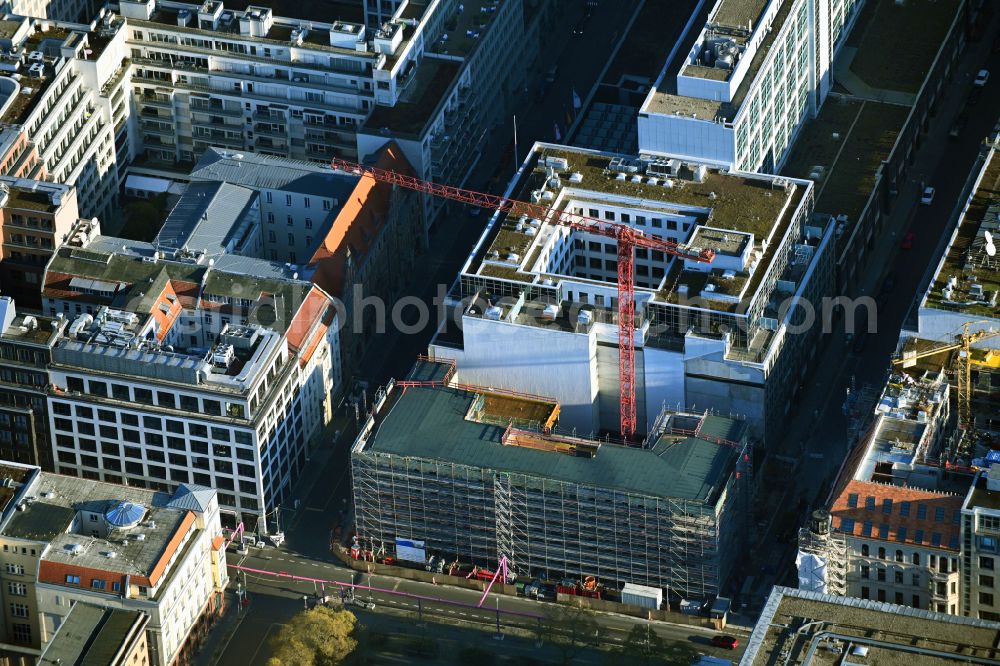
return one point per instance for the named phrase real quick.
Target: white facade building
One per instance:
(981, 547)
(177, 368)
(736, 91)
(68, 540)
(708, 335)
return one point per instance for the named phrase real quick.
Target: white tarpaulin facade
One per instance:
(812, 572)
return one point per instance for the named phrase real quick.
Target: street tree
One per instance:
(316, 637)
(643, 646)
(570, 630)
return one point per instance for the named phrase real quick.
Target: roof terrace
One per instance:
(415, 107)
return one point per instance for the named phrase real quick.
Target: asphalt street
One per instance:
(817, 428)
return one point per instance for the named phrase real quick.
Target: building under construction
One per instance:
(473, 474)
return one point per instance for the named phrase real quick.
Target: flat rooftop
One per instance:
(317, 38)
(908, 34)
(57, 500)
(981, 496)
(268, 172)
(92, 636)
(965, 262)
(433, 78)
(760, 205)
(26, 199)
(894, 635)
(848, 140)
(465, 30)
(327, 11)
(737, 13)
(431, 423)
(35, 329)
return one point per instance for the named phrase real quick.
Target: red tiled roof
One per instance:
(357, 224)
(312, 310)
(898, 514)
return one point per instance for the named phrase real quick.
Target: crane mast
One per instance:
(626, 237)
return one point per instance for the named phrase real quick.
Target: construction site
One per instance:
(448, 472)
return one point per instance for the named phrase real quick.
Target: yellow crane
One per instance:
(963, 373)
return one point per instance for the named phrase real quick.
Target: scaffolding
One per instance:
(822, 559)
(553, 527)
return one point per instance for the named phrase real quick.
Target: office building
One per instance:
(476, 474)
(70, 542)
(728, 335)
(737, 89)
(25, 353)
(800, 628)
(180, 366)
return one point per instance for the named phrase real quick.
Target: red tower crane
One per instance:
(626, 237)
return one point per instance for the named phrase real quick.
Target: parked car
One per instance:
(981, 78)
(908, 239)
(927, 198)
(726, 642)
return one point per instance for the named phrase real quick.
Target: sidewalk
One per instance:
(220, 635)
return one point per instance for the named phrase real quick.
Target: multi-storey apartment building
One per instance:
(66, 103)
(25, 352)
(69, 541)
(182, 367)
(725, 335)
(35, 216)
(455, 469)
(981, 546)
(737, 89)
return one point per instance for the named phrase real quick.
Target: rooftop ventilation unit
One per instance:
(493, 312)
(223, 356)
(576, 177)
(74, 549)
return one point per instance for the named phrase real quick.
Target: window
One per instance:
(881, 595)
(288, 199)
(866, 571)
(900, 533)
(864, 550)
(17, 589)
(899, 556)
(916, 601)
(939, 514)
(898, 577)
(116, 586)
(881, 553)
(865, 593)
(267, 197)
(98, 584)
(985, 598)
(918, 536)
(870, 503)
(984, 581)
(120, 392)
(306, 201)
(984, 563)
(880, 573)
(309, 223)
(915, 558)
(291, 239)
(17, 569)
(922, 511)
(852, 500)
(915, 580)
(847, 525)
(899, 598)
(74, 384)
(887, 506)
(19, 610)
(22, 633)
(72, 580)
(904, 509)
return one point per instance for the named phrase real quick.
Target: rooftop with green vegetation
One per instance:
(416, 106)
(966, 257)
(897, 42)
(23, 102)
(760, 205)
(432, 423)
(790, 630)
(849, 140)
(41, 201)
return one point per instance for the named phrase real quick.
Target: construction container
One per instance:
(642, 596)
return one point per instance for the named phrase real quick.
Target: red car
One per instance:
(907, 241)
(727, 642)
